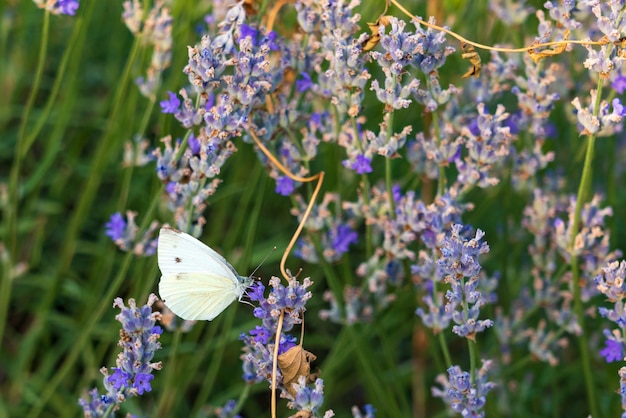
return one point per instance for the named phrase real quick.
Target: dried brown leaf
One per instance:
(559, 49)
(374, 38)
(294, 363)
(470, 54)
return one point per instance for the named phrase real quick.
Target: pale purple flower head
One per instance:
(116, 226)
(619, 84)
(259, 341)
(139, 337)
(342, 236)
(68, 7)
(361, 164)
(284, 186)
(458, 392)
(613, 351)
(171, 105)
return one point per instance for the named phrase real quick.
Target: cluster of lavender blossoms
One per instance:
(612, 284)
(59, 7)
(457, 267)
(125, 233)
(154, 28)
(465, 395)
(139, 337)
(290, 302)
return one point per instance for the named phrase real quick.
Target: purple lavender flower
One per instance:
(459, 264)
(308, 399)
(612, 281)
(618, 108)
(613, 351)
(142, 382)
(361, 164)
(227, 411)
(194, 176)
(511, 12)
(537, 93)
(304, 82)
(619, 84)
(246, 31)
(424, 49)
(119, 379)
(606, 123)
(368, 412)
(58, 7)
(171, 105)
(611, 284)
(591, 242)
(261, 335)
(115, 227)
(463, 396)
(139, 337)
(399, 49)
(68, 7)
(154, 27)
(342, 237)
(97, 405)
(259, 342)
(460, 256)
(437, 317)
(284, 186)
(124, 233)
(563, 13)
(486, 150)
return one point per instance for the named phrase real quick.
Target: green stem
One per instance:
(388, 178)
(444, 349)
(381, 391)
(333, 281)
(471, 345)
(243, 396)
(166, 400)
(11, 209)
(128, 173)
(584, 189)
(366, 196)
(20, 147)
(92, 184)
(441, 184)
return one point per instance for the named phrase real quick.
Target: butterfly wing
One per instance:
(197, 296)
(196, 283)
(179, 252)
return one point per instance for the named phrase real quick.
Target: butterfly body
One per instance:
(196, 283)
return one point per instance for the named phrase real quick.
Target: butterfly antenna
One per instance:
(262, 261)
(245, 292)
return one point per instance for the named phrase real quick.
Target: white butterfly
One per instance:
(196, 283)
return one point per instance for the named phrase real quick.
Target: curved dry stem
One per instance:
(278, 164)
(279, 328)
(271, 16)
(320, 179)
(493, 48)
(307, 212)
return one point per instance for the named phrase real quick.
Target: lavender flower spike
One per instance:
(139, 337)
